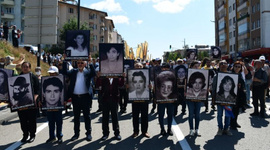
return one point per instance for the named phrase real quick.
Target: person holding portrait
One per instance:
(78, 45)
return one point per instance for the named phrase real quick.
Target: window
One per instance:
(243, 28)
(90, 16)
(230, 22)
(253, 25)
(234, 19)
(94, 37)
(9, 10)
(102, 39)
(94, 48)
(234, 47)
(258, 23)
(230, 48)
(253, 9)
(221, 25)
(254, 42)
(70, 10)
(258, 6)
(234, 6)
(233, 33)
(222, 38)
(94, 26)
(259, 41)
(230, 35)
(230, 9)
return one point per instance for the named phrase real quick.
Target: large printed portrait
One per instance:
(197, 84)
(226, 92)
(181, 74)
(191, 55)
(128, 64)
(53, 92)
(77, 44)
(4, 75)
(216, 52)
(20, 92)
(138, 81)
(165, 85)
(111, 59)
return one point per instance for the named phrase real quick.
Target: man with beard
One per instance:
(21, 92)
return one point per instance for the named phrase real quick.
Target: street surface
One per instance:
(254, 134)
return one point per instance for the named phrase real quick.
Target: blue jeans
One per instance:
(55, 117)
(194, 109)
(219, 118)
(161, 112)
(247, 84)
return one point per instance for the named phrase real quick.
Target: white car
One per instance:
(30, 48)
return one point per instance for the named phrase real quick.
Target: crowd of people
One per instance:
(84, 82)
(15, 33)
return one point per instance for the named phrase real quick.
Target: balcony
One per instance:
(242, 4)
(7, 2)
(221, 7)
(23, 4)
(243, 16)
(7, 16)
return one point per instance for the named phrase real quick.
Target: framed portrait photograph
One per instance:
(128, 64)
(138, 81)
(197, 84)
(111, 57)
(226, 91)
(215, 52)
(52, 92)
(77, 44)
(181, 74)
(191, 55)
(165, 87)
(20, 92)
(4, 75)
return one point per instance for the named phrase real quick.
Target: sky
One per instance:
(160, 22)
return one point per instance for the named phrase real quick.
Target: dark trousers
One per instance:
(110, 107)
(138, 108)
(258, 95)
(235, 111)
(15, 42)
(123, 104)
(82, 103)
(55, 118)
(161, 112)
(28, 120)
(99, 100)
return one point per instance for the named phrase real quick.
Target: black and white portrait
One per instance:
(128, 64)
(191, 55)
(4, 75)
(138, 81)
(197, 84)
(53, 92)
(226, 88)
(165, 85)
(216, 52)
(181, 74)
(20, 92)
(77, 44)
(111, 59)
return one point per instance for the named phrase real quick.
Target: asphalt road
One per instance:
(254, 134)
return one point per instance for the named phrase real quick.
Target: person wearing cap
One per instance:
(28, 118)
(258, 89)
(79, 90)
(52, 89)
(223, 65)
(179, 61)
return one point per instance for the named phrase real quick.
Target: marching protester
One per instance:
(248, 80)
(110, 98)
(79, 92)
(259, 84)
(28, 118)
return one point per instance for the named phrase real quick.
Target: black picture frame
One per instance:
(161, 96)
(4, 75)
(128, 64)
(132, 97)
(191, 55)
(181, 74)
(214, 50)
(200, 91)
(53, 83)
(70, 45)
(24, 101)
(108, 68)
(221, 79)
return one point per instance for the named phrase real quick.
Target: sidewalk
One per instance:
(5, 113)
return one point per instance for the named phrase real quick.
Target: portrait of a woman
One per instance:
(226, 90)
(181, 74)
(3, 85)
(111, 59)
(140, 86)
(78, 45)
(165, 85)
(216, 52)
(191, 54)
(196, 86)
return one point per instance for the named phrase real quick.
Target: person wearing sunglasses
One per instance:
(80, 91)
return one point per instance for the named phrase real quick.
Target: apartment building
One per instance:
(12, 12)
(243, 28)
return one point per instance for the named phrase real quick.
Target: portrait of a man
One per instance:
(227, 88)
(197, 84)
(20, 91)
(77, 44)
(139, 84)
(4, 75)
(53, 92)
(165, 84)
(111, 59)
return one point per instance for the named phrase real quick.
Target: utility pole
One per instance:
(184, 43)
(79, 1)
(236, 31)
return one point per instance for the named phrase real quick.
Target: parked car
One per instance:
(30, 48)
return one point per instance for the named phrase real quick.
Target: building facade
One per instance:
(242, 28)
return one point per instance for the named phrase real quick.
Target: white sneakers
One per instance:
(194, 132)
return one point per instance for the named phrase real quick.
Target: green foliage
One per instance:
(55, 49)
(72, 25)
(202, 54)
(172, 56)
